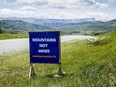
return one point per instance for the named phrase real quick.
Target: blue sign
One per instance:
(44, 47)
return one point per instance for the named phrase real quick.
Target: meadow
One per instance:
(12, 36)
(86, 63)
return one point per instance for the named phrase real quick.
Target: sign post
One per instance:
(31, 73)
(44, 48)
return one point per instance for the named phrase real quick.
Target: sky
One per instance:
(102, 10)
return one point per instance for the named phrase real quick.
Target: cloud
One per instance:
(34, 2)
(19, 13)
(101, 6)
(88, 4)
(98, 15)
(4, 2)
(28, 8)
(65, 3)
(54, 14)
(112, 1)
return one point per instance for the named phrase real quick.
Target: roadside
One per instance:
(16, 45)
(12, 36)
(86, 65)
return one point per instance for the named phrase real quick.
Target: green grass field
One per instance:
(12, 36)
(87, 64)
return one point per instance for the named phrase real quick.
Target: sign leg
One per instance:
(60, 70)
(60, 73)
(31, 72)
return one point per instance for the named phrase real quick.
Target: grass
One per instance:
(114, 24)
(86, 65)
(12, 36)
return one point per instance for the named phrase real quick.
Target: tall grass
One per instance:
(105, 39)
(12, 36)
(86, 65)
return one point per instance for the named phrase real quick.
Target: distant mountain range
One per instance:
(20, 26)
(52, 23)
(89, 27)
(42, 21)
(66, 26)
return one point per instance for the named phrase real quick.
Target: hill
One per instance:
(50, 21)
(87, 64)
(89, 27)
(20, 26)
(113, 22)
(66, 26)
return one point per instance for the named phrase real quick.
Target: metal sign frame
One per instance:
(49, 59)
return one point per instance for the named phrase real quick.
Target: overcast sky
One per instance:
(59, 9)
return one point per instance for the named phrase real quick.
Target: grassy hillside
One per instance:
(87, 64)
(67, 27)
(12, 36)
(20, 26)
(90, 28)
